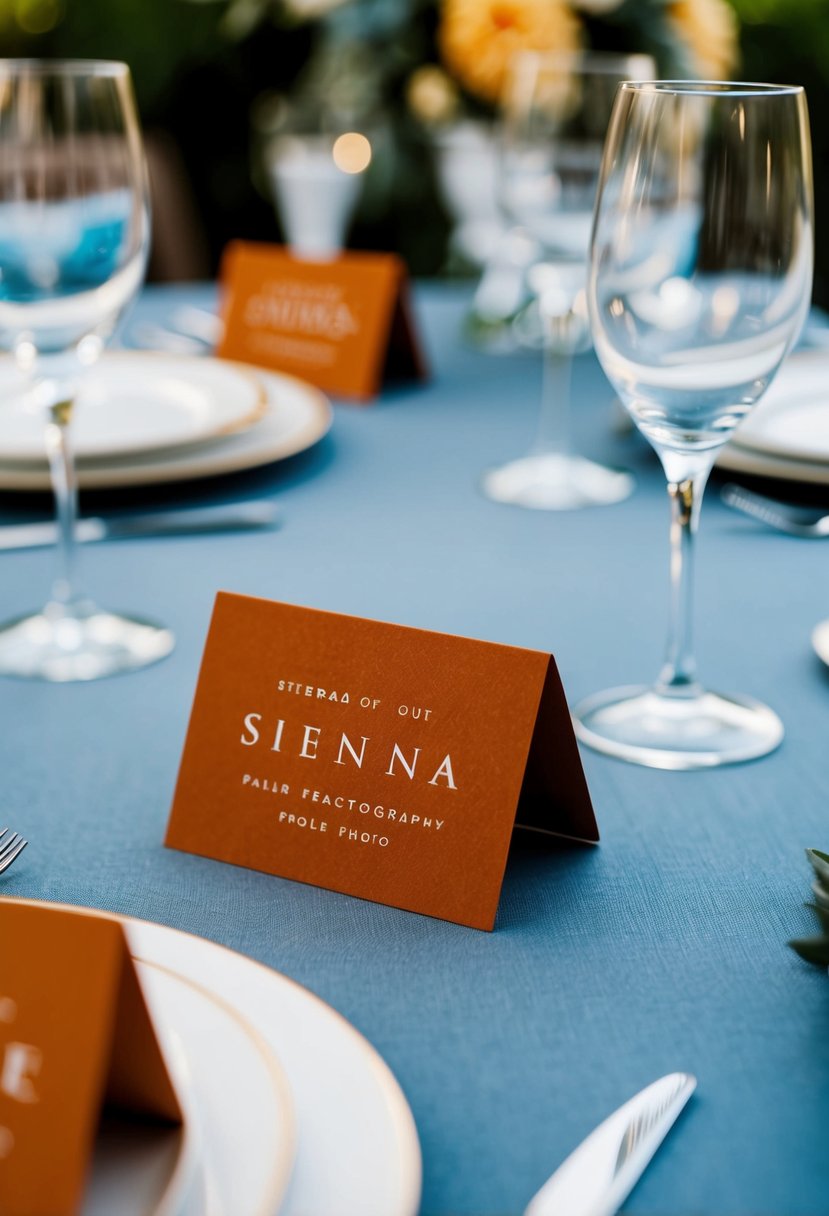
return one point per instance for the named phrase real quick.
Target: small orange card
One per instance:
(75, 1034)
(343, 325)
(373, 759)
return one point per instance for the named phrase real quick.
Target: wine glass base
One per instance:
(556, 482)
(705, 730)
(63, 645)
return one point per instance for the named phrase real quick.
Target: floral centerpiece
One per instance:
(415, 70)
(476, 39)
(435, 54)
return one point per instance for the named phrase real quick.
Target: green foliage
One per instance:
(816, 949)
(159, 39)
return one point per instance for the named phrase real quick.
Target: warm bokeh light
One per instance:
(38, 16)
(352, 152)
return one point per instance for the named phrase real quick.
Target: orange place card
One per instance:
(344, 325)
(75, 1034)
(373, 759)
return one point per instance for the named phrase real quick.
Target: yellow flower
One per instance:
(478, 38)
(708, 31)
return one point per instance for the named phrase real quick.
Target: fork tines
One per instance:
(12, 845)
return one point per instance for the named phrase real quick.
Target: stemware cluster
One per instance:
(680, 237)
(675, 220)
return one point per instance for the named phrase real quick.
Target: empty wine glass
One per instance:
(556, 113)
(699, 283)
(317, 167)
(74, 233)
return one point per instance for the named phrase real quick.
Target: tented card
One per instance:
(374, 759)
(75, 1034)
(344, 325)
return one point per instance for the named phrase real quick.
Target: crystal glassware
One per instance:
(699, 283)
(74, 235)
(556, 113)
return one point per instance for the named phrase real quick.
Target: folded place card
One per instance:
(344, 324)
(374, 759)
(75, 1034)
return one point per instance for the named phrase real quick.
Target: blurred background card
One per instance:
(343, 324)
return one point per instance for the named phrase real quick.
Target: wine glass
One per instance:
(700, 280)
(556, 113)
(74, 234)
(316, 158)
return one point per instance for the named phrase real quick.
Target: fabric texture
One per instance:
(661, 949)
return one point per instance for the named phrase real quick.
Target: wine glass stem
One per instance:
(553, 435)
(679, 671)
(65, 487)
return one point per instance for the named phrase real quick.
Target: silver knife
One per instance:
(254, 513)
(598, 1176)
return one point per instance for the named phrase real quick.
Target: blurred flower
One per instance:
(708, 30)
(431, 95)
(478, 38)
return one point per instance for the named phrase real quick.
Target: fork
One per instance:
(786, 517)
(12, 845)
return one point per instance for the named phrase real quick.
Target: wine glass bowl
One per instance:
(699, 283)
(74, 237)
(555, 119)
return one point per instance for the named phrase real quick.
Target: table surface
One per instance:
(662, 949)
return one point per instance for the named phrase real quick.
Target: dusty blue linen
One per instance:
(663, 948)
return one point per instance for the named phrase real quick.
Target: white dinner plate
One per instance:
(132, 403)
(791, 422)
(234, 1154)
(357, 1150)
(296, 417)
(736, 459)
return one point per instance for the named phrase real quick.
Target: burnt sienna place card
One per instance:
(344, 325)
(374, 759)
(75, 1034)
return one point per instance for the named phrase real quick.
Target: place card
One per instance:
(344, 325)
(373, 759)
(75, 1034)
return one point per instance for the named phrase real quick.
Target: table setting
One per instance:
(330, 884)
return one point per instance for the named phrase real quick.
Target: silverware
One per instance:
(11, 845)
(786, 517)
(190, 331)
(255, 513)
(198, 323)
(147, 335)
(599, 1175)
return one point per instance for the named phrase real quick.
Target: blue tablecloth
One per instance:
(664, 948)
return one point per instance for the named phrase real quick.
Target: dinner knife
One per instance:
(599, 1175)
(253, 513)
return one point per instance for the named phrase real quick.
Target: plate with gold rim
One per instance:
(357, 1148)
(134, 403)
(296, 417)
